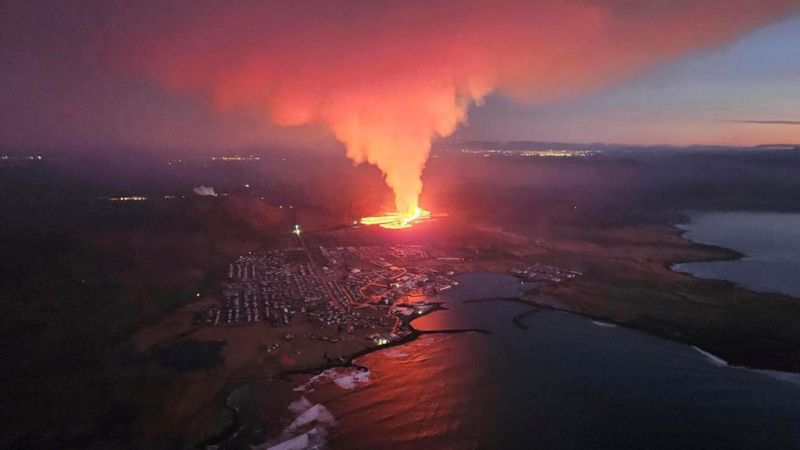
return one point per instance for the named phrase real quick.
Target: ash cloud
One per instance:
(385, 77)
(388, 77)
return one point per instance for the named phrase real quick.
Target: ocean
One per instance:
(770, 242)
(564, 382)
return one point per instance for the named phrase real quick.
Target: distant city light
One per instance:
(6, 157)
(533, 153)
(236, 158)
(18, 161)
(133, 198)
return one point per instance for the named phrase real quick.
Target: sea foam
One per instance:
(790, 377)
(343, 378)
(604, 324)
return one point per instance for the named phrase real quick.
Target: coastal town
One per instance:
(373, 289)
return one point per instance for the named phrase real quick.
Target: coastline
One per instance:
(727, 345)
(518, 320)
(731, 256)
(349, 361)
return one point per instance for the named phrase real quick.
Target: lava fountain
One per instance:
(388, 78)
(395, 220)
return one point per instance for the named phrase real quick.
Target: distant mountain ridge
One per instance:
(599, 146)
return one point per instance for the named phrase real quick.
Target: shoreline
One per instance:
(231, 430)
(672, 331)
(349, 361)
(669, 334)
(611, 323)
(731, 256)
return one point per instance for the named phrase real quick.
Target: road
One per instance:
(317, 271)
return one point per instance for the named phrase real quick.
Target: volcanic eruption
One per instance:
(387, 78)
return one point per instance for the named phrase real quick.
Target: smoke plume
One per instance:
(204, 191)
(387, 77)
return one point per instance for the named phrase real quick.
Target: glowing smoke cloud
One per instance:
(387, 77)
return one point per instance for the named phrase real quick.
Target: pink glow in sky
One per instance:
(377, 76)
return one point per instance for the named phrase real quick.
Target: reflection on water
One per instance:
(770, 241)
(563, 383)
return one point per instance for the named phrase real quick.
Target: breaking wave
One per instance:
(349, 378)
(790, 377)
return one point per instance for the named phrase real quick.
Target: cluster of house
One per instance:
(385, 285)
(373, 253)
(543, 273)
(376, 277)
(275, 286)
(267, 287)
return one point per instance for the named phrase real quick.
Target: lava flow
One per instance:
(396, 220)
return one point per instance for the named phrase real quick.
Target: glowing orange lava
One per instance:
(396, 220)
